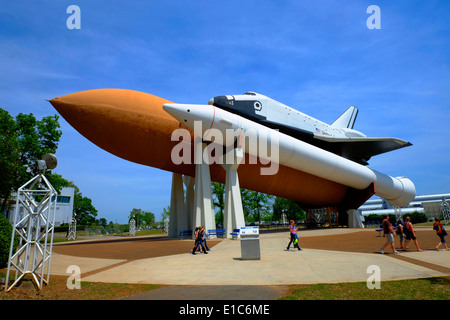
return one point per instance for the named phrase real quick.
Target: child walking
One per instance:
(294, 236)
(441, 233)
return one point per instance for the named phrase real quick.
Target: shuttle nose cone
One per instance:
(175, 111)
(189, 114)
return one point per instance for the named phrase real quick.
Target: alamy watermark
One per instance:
(74, 280)
(74, 20)
(260, 145)
(374, 280)
(374, 21)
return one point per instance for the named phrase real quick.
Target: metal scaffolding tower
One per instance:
(445, 209)
(132, 224)
(398, 214)
(35, 232)
(72, 234)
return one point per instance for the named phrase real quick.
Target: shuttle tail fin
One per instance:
(347, 119)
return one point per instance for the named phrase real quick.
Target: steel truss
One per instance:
(398, 214)
(132, 230)
(72, 234)
(35, 232)
(445, 209)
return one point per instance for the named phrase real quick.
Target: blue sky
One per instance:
(316, 56)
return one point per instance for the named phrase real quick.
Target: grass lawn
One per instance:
(437, 288)
(57, 290)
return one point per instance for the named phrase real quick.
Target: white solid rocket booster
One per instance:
(297, 154)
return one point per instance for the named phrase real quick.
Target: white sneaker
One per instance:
(381, 250)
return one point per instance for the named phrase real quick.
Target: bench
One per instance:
(185, 233)
(372, 223)
(235, 233)
(216, 232)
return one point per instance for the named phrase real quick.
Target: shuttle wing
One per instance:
(358, 149)
(289, 130)
(361, 149)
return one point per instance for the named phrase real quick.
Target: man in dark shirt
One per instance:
(388, 233)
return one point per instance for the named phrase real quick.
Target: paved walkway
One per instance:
(224, 273)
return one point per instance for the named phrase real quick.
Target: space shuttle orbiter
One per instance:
(339, 137)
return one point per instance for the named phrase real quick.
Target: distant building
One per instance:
(64, 207)
(427, 204)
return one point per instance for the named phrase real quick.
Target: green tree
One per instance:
(102, 222)
(148, 217)
(292, 210)
(141, 216)
(10, 166)
(256, 205)
(58, 182)
(23, 140)
(36, 138)
(5, 240)
(416, 217)
(218, 191)
(84, 210)
(165, 214)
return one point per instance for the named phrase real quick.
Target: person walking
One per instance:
(399, 232)
(205, 235)
(199, 241)
(198, 238)
(388, 233)
(410, 234)
(195, 240)
(441, 233)
(294, 237)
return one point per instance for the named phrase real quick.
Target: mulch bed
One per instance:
(133, 249)
(366, 242)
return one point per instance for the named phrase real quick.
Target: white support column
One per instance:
(203, 203)
(178, 216)
(189, 182)
(234, 214)
(355, 219)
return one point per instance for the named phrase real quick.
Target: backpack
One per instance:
(440, 229)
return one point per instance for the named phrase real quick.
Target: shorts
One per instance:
(410, 236)
(442, 238)
(389, 237)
